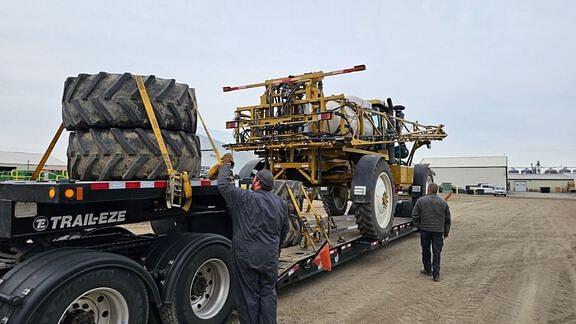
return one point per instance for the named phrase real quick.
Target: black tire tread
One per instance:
(107, 100)
(124, 154)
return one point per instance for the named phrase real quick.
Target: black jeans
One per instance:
(435, 239)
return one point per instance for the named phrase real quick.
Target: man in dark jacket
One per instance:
(432, 216)
(260, 220)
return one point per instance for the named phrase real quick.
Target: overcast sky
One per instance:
(501, 75)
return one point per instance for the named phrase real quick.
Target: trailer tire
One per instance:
(194, 301)
(376, 217)
(336, 201)
(129, 154)
(107, 100)
(122, 293)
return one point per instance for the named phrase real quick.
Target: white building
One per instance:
(28, 161)
(541, 182)
(463, 171)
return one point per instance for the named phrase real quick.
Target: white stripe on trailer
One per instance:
(117, 185)
(146, 184)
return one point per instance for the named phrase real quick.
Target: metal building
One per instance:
(463, 171)
(541, 182)
(28, 161)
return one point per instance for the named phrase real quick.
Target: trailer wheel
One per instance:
(376, 217)
(204, 289)
(336, 201)
(107, 100)
(100, 296)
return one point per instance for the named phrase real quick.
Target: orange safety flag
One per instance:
(322, 258)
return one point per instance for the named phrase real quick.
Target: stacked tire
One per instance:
(110, 133)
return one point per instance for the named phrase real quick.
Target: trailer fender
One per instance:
(30, 283)
(361, 181)
(168, 256)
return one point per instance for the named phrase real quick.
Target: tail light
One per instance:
(325, 116)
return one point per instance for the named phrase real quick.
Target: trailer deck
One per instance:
(296, 264)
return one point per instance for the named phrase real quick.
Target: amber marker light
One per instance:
(69, 193)
(52, 192)
(79, 193)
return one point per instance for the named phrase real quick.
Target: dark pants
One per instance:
(431, 261)
(254, 289)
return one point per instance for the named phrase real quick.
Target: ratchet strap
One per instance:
(178, 191)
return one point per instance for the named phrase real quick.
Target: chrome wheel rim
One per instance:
(209, 288)
(101, 305)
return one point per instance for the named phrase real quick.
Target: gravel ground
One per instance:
(507, 260)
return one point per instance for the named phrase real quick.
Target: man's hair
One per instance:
(432, 188)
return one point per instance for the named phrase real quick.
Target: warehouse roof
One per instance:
(467, 162)
(14, 159)
(539, 177)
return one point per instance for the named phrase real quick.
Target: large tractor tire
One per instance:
(336, 201)
(107, 100)
(129, 154)
(375, 216)
(423, 176)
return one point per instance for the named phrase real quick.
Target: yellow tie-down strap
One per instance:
(181, 177)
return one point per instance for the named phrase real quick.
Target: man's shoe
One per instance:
(436, 278)
(426, 272)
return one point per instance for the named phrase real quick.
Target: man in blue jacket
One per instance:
(260, 220)
(432, 216)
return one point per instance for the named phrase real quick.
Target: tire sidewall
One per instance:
(128, 284)
(181, 297)
(382, 167)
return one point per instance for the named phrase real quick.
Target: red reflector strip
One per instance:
(326, 116)
(160, 184)
(99, 186)
(133, 185)
(231, 124)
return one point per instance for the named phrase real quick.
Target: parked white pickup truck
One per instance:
(484, 188)
(500, 191)
(488, 189)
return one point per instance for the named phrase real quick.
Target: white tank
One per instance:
(350, 115)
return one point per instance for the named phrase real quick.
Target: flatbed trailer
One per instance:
(65, 257)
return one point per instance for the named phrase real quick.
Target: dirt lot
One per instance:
(507, 260)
